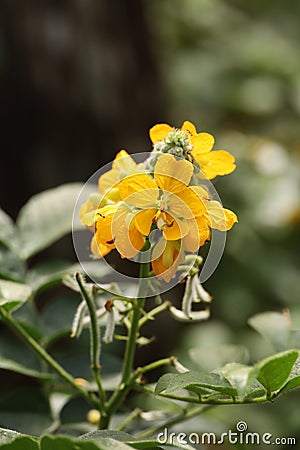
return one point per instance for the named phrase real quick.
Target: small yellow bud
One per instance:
(94, 416)
(81, 382)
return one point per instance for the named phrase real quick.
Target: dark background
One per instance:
(79, 81)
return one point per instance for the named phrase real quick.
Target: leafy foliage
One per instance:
(103, 440)
(13, 295)
(236, 380)
(45, 218)
(54, 406)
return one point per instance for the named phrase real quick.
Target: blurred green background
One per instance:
(79, 80)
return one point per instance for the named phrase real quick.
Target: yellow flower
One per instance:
(165, 200)
(132, 203)
(216, 216)
(187, 143)
(122, 166)
(112, 230)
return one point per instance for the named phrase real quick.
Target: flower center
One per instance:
(177, 143)
(163, 203)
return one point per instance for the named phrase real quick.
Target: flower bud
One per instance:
(94, 416)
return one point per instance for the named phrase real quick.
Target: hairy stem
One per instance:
(151, 314)
(127, 370)
(95, 342)
(137, 309)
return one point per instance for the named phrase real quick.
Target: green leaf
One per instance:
(98, 435)
(68, 443)
(274, 327)
(25, 409)
(22, 443)
(294, 378)
(7, 230)
(255, 391)
(13, 349)
(12, 294)
(74, 411)
(46, 218)
(275, 370)
(195, 382)
(240, 376)
(7, 435)
(56, 317)
(121, 436)
(8, 364)
(47, 274)
(12, 267)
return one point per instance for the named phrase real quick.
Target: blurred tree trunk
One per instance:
(79, 80)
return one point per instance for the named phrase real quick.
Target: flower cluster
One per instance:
(163, 196)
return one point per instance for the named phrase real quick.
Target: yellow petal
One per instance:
(160, 270)
(189, 127)
(85, 213)
(124, 163)
(104, 219)
(201, 192)
(199, 233)
(203, 229)
(202, 143)
(172, 175)
(220, 218)
(108, 179)
(86, 207)
(136, 238)
(128, 242)
(143, 220)
(231, 218)
(111, 194)
(139, 190)
(187, 204)
(159, 132)
(191, 241)
(218, 162)
(170, 255)
(159, 248)
(107, 210)
(99, 249)
(89, 218)
(174, 228)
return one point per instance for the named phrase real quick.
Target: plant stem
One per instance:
(19, 330)
(152, 366)
(184, 415)
(137, 308)
(187, 414)
(151, 314)
(95, 342)
(220, 401)
(132, 416)
(127, 370)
